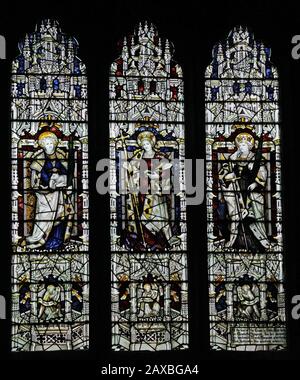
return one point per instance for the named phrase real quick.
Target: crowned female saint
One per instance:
(148, 218)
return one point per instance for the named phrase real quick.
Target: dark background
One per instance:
(193, 28)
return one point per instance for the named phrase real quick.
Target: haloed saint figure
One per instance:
(148, 215)
(243, 181)
(53, 207)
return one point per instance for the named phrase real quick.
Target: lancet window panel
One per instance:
(148, 228)
(244, 197)
(50, 193)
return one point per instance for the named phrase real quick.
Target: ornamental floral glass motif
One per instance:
(49, 194)
(245, 251)
(148, 228)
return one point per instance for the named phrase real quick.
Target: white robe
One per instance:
(50, 203)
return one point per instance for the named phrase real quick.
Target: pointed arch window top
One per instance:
(50, 194)
(244, 205)
(145, 54)
(241, 56)
(48, 50)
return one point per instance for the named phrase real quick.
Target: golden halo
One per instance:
(146, 135)
(244, 137)
(47, 135)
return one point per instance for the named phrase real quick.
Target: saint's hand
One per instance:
(53, 180)
(126, 165)
(230, 177)
(54, 176)
(252, 186)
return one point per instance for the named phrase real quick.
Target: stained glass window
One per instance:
(244, 207)
(148, 222)
(50, 232)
